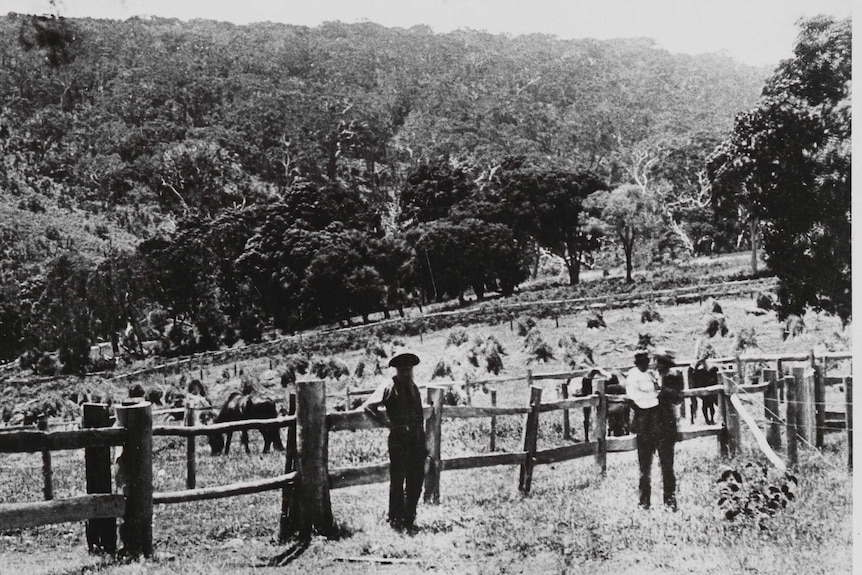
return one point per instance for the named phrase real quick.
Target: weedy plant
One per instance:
(650, 313)
(596, 320)
(442, 369)
(746, 338)
(755, 496)
(715, 323)
(525, 325)
(645, 341)
(457, 337)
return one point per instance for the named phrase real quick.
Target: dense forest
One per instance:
(195, 182)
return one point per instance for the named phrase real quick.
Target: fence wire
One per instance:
(783, 422)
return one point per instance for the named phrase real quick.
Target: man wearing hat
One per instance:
(654, 396)
(407, 450)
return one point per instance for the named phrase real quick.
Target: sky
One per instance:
(757, 32)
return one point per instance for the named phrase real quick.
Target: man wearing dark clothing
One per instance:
(654, 397)
(407, 450)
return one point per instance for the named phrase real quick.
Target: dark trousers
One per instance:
(406, 474)
(656, 433)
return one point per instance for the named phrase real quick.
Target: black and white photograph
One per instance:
(437, 286)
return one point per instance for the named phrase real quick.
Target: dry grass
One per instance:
(573, 521)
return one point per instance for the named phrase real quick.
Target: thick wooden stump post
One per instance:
(47, 465)
(601, 427)
(819, 405)
(770, 409)
(792, 447)
(564, 392)
(587, 389)
(848, 419)
(191, 463)
(101, 533)
(733, 436)
(779, 368)
(529, 439)
(805, 418)
(289, 522)
(315, 505)
(493, 446)
(136, 477)
(721, 414)
(685, 386)
(433, 436)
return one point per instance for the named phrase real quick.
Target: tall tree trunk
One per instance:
(573, 264)
(538, 256)
(628, 242)
(627, 248)
(754, 226)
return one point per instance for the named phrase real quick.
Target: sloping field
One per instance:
(573, 521)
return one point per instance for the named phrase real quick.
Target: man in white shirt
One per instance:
(655, 425)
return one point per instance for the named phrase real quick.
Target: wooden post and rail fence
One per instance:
(308, 478)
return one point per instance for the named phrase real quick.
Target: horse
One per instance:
(699, 377)
(239, 407)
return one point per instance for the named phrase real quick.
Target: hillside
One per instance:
(201, 181)
(117, 119)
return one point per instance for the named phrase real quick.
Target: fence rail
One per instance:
(232, 490)
(33, 441)
(244, 425)
(81, 508)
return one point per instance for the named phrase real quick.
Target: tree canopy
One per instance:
(195, 181)
(789, 159)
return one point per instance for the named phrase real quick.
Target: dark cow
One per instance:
(619, 409)
(239, 407)
(699, 377)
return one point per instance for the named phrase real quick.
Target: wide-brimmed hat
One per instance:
(404, 359)
(665, 354)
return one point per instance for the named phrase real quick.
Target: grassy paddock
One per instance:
(572, 521)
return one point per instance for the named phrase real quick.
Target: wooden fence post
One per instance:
(316, 507)
(587, 389)
(848, 419)
(567, 430)
(819, 404)
(433, 436)
(191, 463)
(601, 427)
(47, 466)
(685, 386)
(136, 471)
(467, 390)
(101, 533)
(530, 437)
(780, 375)
(733, 436)
(770, 409)
(805, 404)
(792, 449)
(493, 422)
(289, 521)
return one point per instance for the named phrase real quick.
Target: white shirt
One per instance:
(641, 388)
